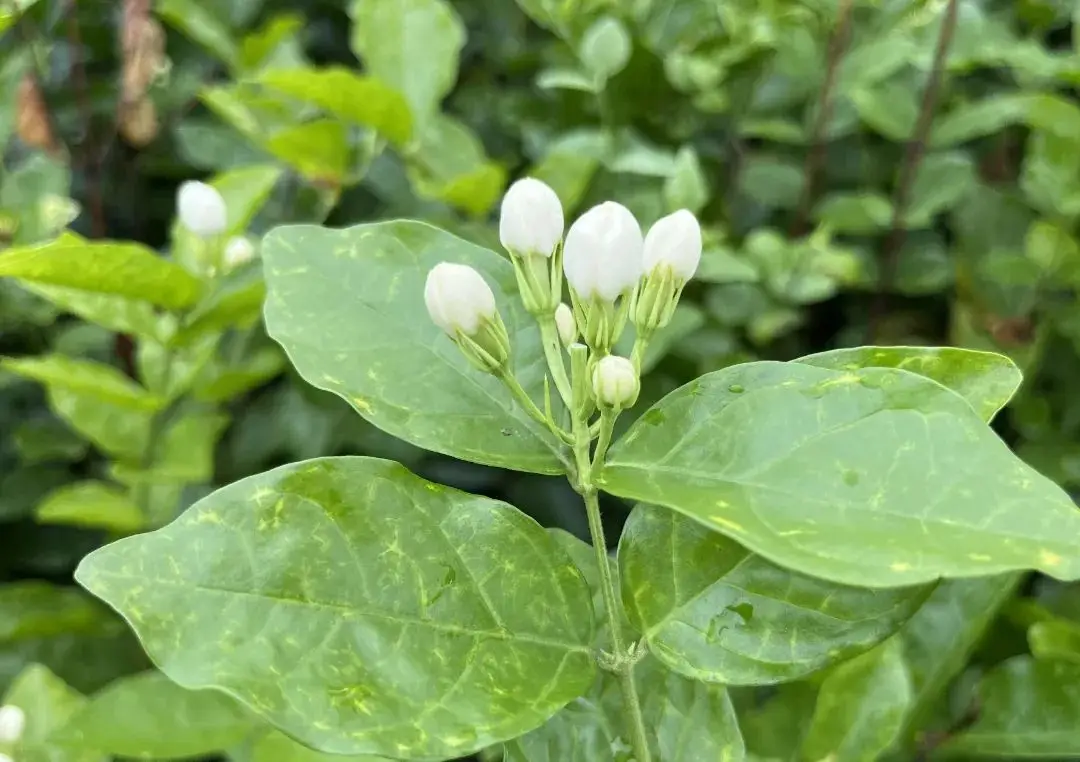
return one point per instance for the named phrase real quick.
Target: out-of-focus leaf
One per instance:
(84, 377)
(200, 20)
(687, 187)
(47, 703)
(943, 179)
(93, 505)
(450, 165)
(318, 150)
(855, 213)
(605, 48)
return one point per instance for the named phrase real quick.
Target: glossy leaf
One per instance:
(85, 377)
(147, 716)
(278, 747)
(987, 380)
(91, 504)
(1028, 709)
(713, 611)
(105, 267)
(360, 608)
(860, 707)
(119, 430)
(1055, 639)
(348, 307)
(47, 702)
(412, 46)
(347, 95)
(605, 48)
(117, 313)
(318, 150)
(874, 477)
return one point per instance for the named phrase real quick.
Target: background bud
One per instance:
(458, 298)
(201, 209)
(602, 256)
(239, 250)
(564, 321)
(12, 723)
(615, 382)
(674, 241)
(531, 218)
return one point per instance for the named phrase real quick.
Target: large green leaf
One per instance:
(1029, 708)
(347, 95)
(106, 267)
(348, 307)
(148, 716)
(278, 747)
(987, 380)
(713, 611)
(48, 702)
(412, 46)
(860, 707)
(360, 608)
(875, 477)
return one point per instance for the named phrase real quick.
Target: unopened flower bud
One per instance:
(672, 255)
(201, 209)
(615, 382)
(12, 723)
(564, 321)
(238, 251)
(531, 218)
(602, 256)
(461, 303)
(674, 242)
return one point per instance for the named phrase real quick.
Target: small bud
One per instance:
(602, 255)
(201, 209)
(238, 251)
(531, 219)
(675, 242)
(461, 303)
(564, 321)
(12, 723)
(615, 382)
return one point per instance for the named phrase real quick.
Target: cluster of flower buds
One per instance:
(615, 275)
(12, 725)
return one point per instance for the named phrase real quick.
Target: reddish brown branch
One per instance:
(916, 149)
(815, 159)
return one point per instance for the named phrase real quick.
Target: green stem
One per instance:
(531, 408)
(641, 343)
(623, 664)
(549, 334)
(607, 428)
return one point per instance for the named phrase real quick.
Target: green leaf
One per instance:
(119, 430)
(11, 12)
(203, 25)
(860, 213)
(340, 300)
(278, 747)
(412, 46)
(562, 78)
(48, 702)
(979, 118)
(713, 611)
(942, 181)
(687, 187)
(85, 377)
(860, 707)
(117, 313)
(35, 193)
(105, 267)
(940, 638)
(1028, 709)
(874, 477)
(318, 150)
(890, 108)
(347, 95)
(360, 608)
(987, 380)
(449, 164)
(91, 504)
(605, 48)
(568, 173)
(148, 716)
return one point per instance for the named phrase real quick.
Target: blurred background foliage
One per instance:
(866, 171)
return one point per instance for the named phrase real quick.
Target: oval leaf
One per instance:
(986, 380)
(874, 477)
(348, 307)
(360, 608)
(713, 611)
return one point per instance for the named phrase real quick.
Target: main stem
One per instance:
(623, 663)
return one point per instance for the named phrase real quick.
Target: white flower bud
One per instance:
(674, 241)
(615, 382)
(238, 251)
(201, 209)
(458, 298)
(531, 218)
(602, 256)
(564, 321)
(12, 723)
